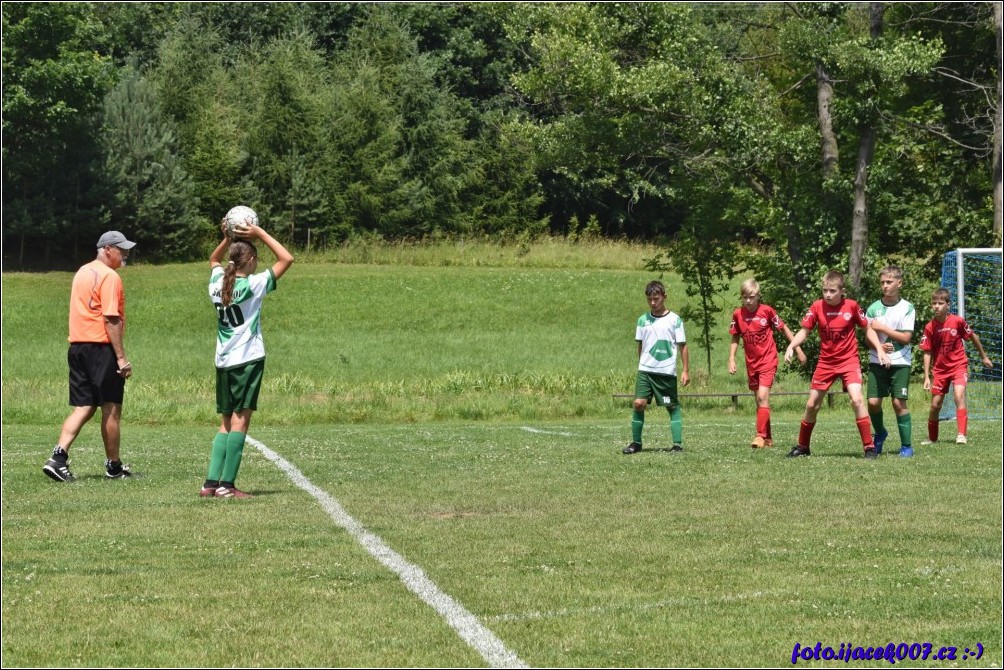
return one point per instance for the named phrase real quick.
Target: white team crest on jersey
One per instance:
(763, 321)
(847, 316)
(955, 333)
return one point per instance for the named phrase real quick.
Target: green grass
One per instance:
(359, 343)
(462, 411)
(571, 553)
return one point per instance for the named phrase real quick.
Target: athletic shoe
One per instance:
(113, 471)
(58, 470)
(676, 447)
(231, 492)
(632, 448)
(871, 453)
(768, 443)
(927, 443)
(207, 492)
(961, 439)
(879, 440)
(797, 451)
(906, 452)
(758, 443)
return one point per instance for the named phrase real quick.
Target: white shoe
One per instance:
(961, 439)
(927, 443)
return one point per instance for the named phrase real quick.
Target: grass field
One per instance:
(463, 417)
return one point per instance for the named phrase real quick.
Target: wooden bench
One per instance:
(735, 396)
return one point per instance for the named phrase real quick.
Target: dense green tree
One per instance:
(149, 195)
(54, 81)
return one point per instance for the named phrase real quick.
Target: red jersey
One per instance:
(757, 330)
(838, 344)
(944, 342)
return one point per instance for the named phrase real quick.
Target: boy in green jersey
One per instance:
(662, 343)
(892, 319)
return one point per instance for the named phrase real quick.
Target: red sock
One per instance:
(932, 431)
(805, 433)
(769, 436)
(763, 421)
(962, 416)
(865, 428)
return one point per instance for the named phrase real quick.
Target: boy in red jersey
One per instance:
(837, 318)
(943, 342)
(756, 322)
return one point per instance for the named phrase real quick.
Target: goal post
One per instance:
(973, 278)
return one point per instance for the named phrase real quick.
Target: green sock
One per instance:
(637, 423)
(217, 456)
(905, 429)
(235, 449)
(676, 424)
(878, 425)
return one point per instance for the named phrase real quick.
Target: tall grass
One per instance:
(379, 341)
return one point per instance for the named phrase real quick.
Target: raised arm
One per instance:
(216, 258)
(284, 259)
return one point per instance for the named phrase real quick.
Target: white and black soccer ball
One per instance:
(240, 216)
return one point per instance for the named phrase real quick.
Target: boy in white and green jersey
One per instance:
(662, 348)
(892, 320)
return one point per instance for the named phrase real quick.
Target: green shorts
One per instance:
(237, 388)
(884, 382)
(661, 387)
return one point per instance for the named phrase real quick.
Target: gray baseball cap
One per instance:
(114, 238)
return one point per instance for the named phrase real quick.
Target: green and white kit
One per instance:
(899, 317)
(238, 328)
(659, 337)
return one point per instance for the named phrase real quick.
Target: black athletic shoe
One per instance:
(116, 470)
(676, 447)
(58, 470)
(797, 451)
(871, 453)
(632, 448)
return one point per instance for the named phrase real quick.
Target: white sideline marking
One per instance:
(546, 432)
(471, 631)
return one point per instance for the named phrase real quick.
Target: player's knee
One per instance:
(640, 404)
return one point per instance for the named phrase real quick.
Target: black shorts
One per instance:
(94, 377)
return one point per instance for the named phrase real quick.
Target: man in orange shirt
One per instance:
(97, 360)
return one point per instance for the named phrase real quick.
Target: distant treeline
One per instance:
(826, 134)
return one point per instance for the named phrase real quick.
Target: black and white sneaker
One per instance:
(58, 470)
(632, 448)
(116, 470)
(799, 451)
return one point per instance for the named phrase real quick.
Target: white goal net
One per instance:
(973, 277)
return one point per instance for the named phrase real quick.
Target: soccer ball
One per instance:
(240, 216)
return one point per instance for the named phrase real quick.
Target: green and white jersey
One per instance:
(659, 336)
(899, 317)
(238, 328)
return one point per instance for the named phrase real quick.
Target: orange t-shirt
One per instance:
(97, 292)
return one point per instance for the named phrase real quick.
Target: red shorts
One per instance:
(761, 378)
(940, 384)
(824, 376)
